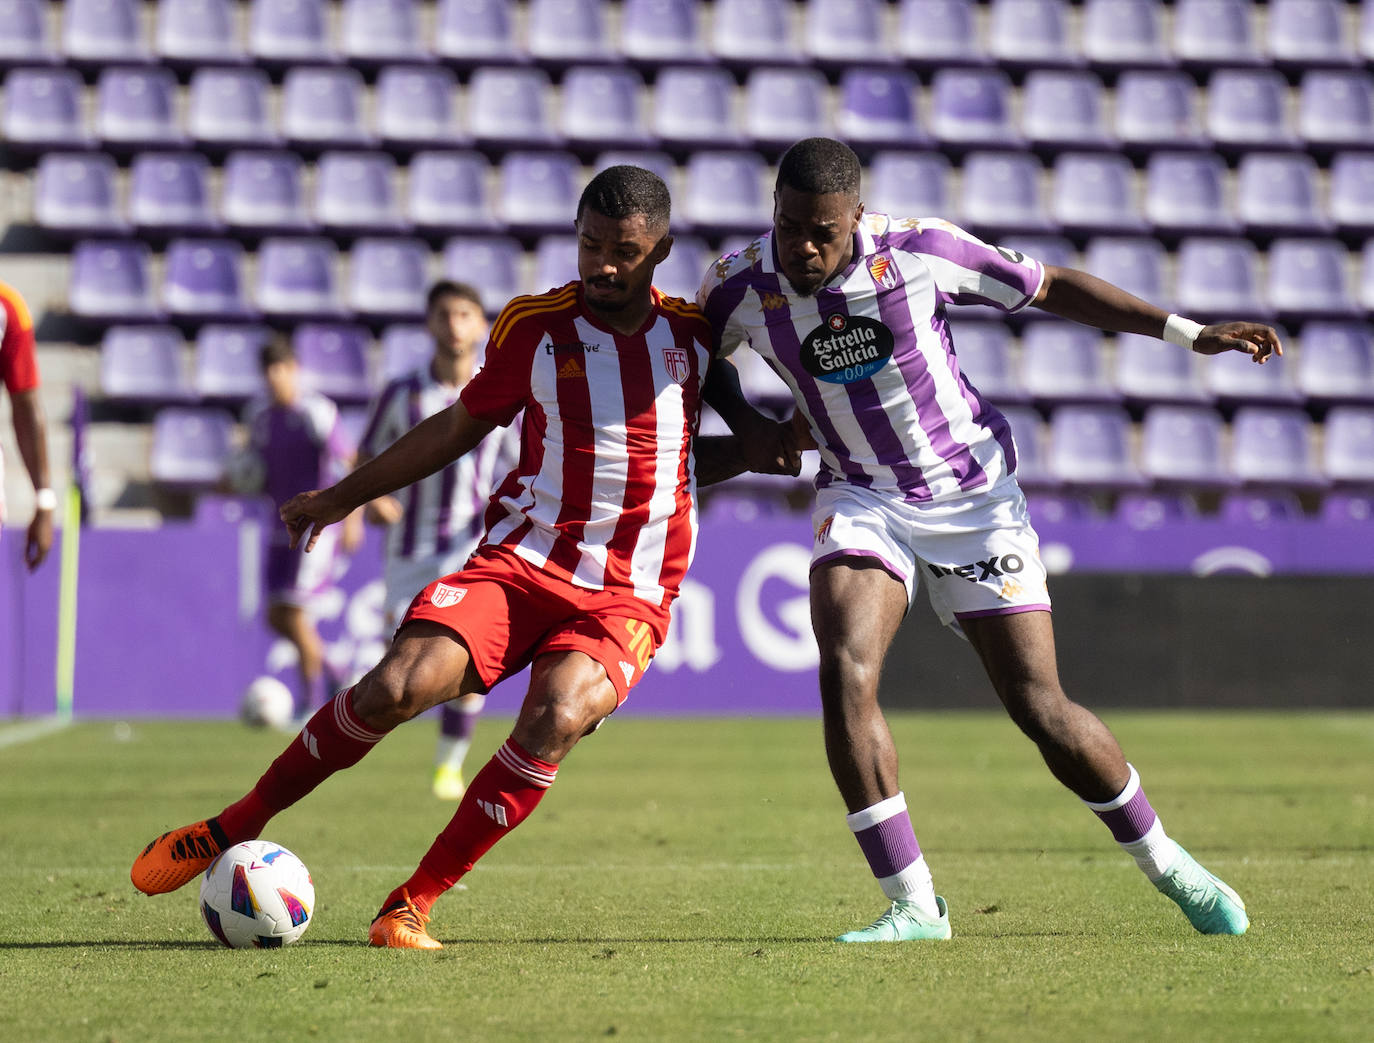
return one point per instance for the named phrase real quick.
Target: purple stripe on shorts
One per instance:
(890, 846)
(1132, 820)
(898, 574)
(1008, 610)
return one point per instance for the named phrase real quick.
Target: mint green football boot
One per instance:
(903, 922)
(1211, 906)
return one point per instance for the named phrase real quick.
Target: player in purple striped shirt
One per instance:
(917, 480)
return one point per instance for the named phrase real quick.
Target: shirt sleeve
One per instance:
(501, 388)
(967, 270)
(18, 361)
(719, 299)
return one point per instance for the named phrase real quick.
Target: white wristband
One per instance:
(45, 499)
(1181, 331)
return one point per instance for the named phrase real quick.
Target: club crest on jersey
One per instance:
(445, 596)
(677, 364)
(846, 349)
(881, 270)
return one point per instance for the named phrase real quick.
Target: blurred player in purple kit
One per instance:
(436, 523)
(917, 482)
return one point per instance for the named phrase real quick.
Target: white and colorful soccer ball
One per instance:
(267, 703)
(257, 895)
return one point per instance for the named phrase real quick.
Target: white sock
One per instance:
(451, 751)
(1154, 853)
(913, 884)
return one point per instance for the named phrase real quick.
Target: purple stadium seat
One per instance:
(908, 184)
(567, 32)
(229, 108)
(1063, 109)
(988, 360)
(406, 347)
(204, 280)
(1059, 507)
(333, 359)
(489, 262)
(1258, 509)
(783, 105)
(680, 274)
(227, 366)
(839, 33)
(1212, 33)
(263, 192)
(555, 262)
(603, 107)
(323, 108)
(935, 34)
(1352, 191)
(43, 110)
(1347, 508)
(749, 33)
(693, 108)
(1065, 362)
(538, 191)
(972, 107)
(1031, 33)
(170, 192)
(143, 364)
(1366, 31)
(1124, 34)
(136, 108)
(659, 163)
(1185, 194)
(296, 278)
(388, 277)
(1094, 194)
(1348, 448)
(1307, 279)
(110, 281)
(26, 40)
(1306, 33)
(877, 109)
(74, 192)
(102, 32)
(1184, 445)
(507, 107)
(1247, 109)
(414, 107)
(1272, 446)
(447, 192)
(354, 193)
(1028, 432)
(1157, 110)
(198, 32)
(1149, 370)
(1218, 278)
(660, 32)
(1135, 263)
(1336, 362)
(191, 445)
(724, 193)
(1366, 288)
(476, 32)
(1001, 194)
(284, 32)
(1143, 511)
(1090, 447)
(1277, 192)
(1234, 379)
(1336, 109)
(375, 32)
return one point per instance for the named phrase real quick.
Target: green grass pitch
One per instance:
(683, 878)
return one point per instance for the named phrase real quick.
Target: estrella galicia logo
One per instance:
(846, 348)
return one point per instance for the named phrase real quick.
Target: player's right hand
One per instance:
(310, 512)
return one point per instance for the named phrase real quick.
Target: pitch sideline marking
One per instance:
(18, 734)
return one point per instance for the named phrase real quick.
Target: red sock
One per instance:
(333, 739)
(502, 796)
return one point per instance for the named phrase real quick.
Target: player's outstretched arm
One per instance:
(31, 437)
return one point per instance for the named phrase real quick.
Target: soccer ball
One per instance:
(257, 895)
(267, 703)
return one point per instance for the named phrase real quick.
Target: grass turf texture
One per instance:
(683, 878)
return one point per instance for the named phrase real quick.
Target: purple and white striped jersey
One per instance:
(869, 357)
(302, 446)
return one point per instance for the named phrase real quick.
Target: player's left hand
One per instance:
(771, 447)
(310, 512)
(1253, 338)
(39, 540)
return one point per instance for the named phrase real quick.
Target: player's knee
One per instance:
(1039, 710)
(395, 692)
(847, 679)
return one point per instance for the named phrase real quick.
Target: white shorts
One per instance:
(978, 554)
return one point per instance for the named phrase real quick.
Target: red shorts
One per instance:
(507, 612)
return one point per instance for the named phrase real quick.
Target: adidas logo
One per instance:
(310, 743)
(627, 670)
(495, 812)
(571, 368)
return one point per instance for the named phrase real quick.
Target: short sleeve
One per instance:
(501, 388)
(18, 361)
(967, 270)
(719, 299)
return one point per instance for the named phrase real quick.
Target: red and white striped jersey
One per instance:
(603, 495)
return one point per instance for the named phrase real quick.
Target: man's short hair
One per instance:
(277, 348)
(452, 288)
(821, 167)
(622, 191)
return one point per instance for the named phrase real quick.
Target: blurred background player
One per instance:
(19, 371)
(435, 524)
(297, 441)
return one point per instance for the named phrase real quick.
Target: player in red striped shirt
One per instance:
(586, 544)
(19, 373)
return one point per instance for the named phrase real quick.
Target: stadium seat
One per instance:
(1157, 109)
(1047, 249)
(1213, 33)
(101, 32)
(538, 192)
(972, 107)
(1303, 34)
(934, 34)
(323, 108)
(285, 32)
(1233, 379)
(1259, 509)
(415, 108)
(263, 192)
(749, 33)
(681, 273)
(447, 193)
(1064, 362)
(724, 193)
(841, 33)
(661, 32)
(204, 280)
(555, 262)
(1348, 446)
(43, 111)
(198, 32)
(1351, 185)
(111, 281)
(1149, 371)
(387, 278)
(653, 160)
(143, 364)
(75, 193)
(379, 32)
(1365, 43)
(1277, 193)
(1347, 508)
(1366, 288)
(908, 184)
(190, 446)
(1025, 34)
(783, 105)
(1063, 108)
(508, 108)
(693, 108)
(1336, 109)
(1028, 434)
(228, 108)
(1143, 511)
(169, 192)
(877, 109)
(603, 107)
(988, 360)
(1307, 279)
(1218, 278)
(334, 359)
(1090, 448)
(354, 193)
(1247, 109)
(136, 108)
(1336, 362)
(491, 263)
(1135, 263)
(1001, 194)
(227, 366)
(26, 40)
(1184, 446)
(1272, 446)
(296, 278)
(1185, 194)
(405, 347)
(1094, 194)
(560, 33)
(469, 33)
(1124, 34)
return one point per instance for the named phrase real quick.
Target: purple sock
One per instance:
(889, 844)
(457, 722)
(1129, 816)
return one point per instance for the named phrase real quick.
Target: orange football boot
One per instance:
(401, 926)
(176, 858)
